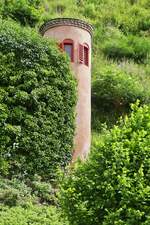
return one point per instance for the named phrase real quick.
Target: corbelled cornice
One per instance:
(66, 22)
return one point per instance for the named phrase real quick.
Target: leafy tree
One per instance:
(113, 186)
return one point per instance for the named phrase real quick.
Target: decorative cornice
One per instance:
(66, 22)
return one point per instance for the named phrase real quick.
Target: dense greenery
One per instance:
(113, 186)
(31, 215)
(17, 192)
(26, 12)
(37, 104)
(27, 202)
(120, 40)
(130, 47)
(113, 90)
(37, 96)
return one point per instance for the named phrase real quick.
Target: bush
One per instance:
(26, 12)
(115, 90)
(136, 18)
(37, 104)
(17, 192)
(128, 47)
(113, 186)
(36, 215)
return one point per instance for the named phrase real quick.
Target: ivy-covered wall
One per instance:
(37, 99)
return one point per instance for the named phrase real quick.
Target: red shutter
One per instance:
(81, 52)
(61, 46)
(86, 56)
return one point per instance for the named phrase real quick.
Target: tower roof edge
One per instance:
(66, 22)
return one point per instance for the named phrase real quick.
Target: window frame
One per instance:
(68, 42)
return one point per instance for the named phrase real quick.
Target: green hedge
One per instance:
(113, 186)
(37, 99)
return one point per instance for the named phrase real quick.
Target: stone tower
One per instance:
(74, 37)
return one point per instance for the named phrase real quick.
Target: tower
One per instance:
(74, 37)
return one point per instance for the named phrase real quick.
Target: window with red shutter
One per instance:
(86, 55)
(81, 53)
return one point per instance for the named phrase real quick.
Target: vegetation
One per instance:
(26, 12)
(120, 40)
(37, 104)
(27, 202)
(37, 98)
(113, 186)
(31, 215)
(113, 91)
(128, 47)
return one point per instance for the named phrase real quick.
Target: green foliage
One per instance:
(130, 47)
(36, 215)
(37, 104)
(115, 89)
(17, 192)
(113, 186)
(34, 118)
(137, 20)
(60, 8)
(121, 34)
(26, 12)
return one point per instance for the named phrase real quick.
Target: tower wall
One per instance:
(79, 35)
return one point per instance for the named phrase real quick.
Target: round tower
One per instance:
(74, 37)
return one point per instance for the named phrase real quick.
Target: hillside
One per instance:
(120, 76)
(121, 49)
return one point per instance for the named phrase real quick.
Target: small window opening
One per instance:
(68, 46)
(68, 49)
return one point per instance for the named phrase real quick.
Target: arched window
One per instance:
(84, 54)
(68, 46)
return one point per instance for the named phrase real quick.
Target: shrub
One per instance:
(37, 104)
(25, 12)
(128, 47)
(135, 20)
(115, 90)
(113, 185)
(17, 192)
(36, 215)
